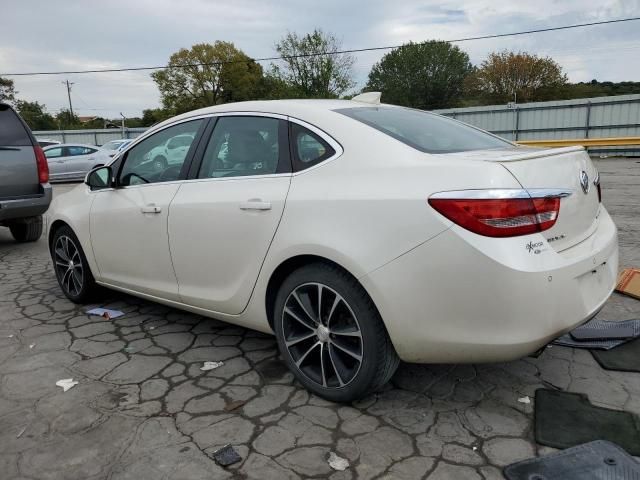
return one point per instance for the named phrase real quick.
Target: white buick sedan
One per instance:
(359, 233)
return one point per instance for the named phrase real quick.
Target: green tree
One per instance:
(36, 115)
(66, 120)
(207, 75)
(311, 67)
(421, 75)
(507, 76)
(151, 116)
(7, 90)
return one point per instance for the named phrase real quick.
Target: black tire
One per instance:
(77, 284)
(378, 360)
(159, 163)
(27, 229)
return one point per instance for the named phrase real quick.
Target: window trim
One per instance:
(284, 160)
(186, 166)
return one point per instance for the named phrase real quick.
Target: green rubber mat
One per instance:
(624, 358)
(599, 460)
(564, 420)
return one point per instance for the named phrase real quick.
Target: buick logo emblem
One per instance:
(584, 182)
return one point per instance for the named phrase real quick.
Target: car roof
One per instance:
(293, 107)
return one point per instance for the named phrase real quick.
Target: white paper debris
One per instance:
(105, 312)
(21, 432)
(32, 345)
(337, 463)
(475, 448)
(66, 383)
(525, 400)
(211, 365)
(9, 336)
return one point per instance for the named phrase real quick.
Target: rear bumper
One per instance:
(462, 298)
(26, 207)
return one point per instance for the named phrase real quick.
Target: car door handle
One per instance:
(255, 204)
(151, 208)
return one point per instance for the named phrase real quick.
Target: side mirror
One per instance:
(98, 178)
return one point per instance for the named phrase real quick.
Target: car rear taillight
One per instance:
(43, 166)
(499, 217)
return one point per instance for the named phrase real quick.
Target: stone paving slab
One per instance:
(143, 409)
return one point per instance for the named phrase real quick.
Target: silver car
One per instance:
(73, 161)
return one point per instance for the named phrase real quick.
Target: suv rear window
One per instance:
(425, 131)
(12, 131)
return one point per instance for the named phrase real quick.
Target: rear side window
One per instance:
(308, 147)
(12, 131)
(53, 152)
(76, 150)
(425, 131)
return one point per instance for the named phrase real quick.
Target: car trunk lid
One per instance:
(568, 169)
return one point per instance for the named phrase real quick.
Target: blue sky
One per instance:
(79, 34)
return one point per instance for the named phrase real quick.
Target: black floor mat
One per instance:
(564, 420)
(606, 342)
(599, 460)
(625, 358)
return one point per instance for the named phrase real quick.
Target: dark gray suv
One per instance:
(25, 192)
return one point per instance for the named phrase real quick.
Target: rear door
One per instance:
(56, 160)
(18, 168)
(79, 160)
(222, 222)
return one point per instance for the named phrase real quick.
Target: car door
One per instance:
(129, 222)
(56, 162)
(222, 222)
(79, 160)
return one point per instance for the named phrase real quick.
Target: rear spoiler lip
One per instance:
(547, 152)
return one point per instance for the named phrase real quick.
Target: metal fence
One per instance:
(89, 137)
(597, 117)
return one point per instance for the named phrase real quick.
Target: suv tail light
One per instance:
(500, 213)
(43, 166)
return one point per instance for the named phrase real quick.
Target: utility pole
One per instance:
(68, 84)
(123, 119)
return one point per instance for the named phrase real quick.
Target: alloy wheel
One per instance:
(322, 335)
(68, 265)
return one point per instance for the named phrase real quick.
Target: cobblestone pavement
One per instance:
(143, 409)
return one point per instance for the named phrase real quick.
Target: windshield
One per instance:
(425, 131)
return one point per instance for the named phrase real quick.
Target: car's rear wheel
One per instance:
(71, 267)
(330, 334)
(26, 229)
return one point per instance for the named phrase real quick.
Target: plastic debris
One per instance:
(211, 365)
(9, 336)
(226, 456)
(32, 345)
(525, 400)
(229, 407)
(66, 383)
(337, 463)
(105, 312)
(21, 432)
(475, 448)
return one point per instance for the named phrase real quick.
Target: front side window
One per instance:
(242, 146)
(425, 131)
(159, 158)
(53, 152)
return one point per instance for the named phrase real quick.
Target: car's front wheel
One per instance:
(330, 334)
(71, 267)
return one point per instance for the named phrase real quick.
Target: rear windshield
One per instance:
(12, 131)
(425, 131)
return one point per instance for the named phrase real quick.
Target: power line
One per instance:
(338, 52)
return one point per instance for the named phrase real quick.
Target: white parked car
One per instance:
(73, 161)
(116, 146)
(170, 152)
(358, 233)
